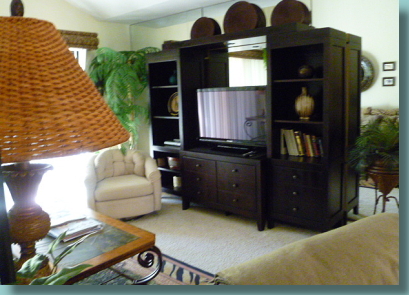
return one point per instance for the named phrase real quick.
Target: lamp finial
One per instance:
(16, 8)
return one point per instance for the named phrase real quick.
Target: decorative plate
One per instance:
(290, 11)
(173, 104)
(367, 73)
(243, 16)
(205, 27)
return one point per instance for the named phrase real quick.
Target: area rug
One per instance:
(173, 272)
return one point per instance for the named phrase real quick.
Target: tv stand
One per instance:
(229, 183)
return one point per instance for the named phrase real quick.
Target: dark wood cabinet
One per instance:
(232, 184)
(309, 190)
(313, 191)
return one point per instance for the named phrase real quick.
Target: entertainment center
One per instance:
(230, 140)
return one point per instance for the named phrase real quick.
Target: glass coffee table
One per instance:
(116, 242)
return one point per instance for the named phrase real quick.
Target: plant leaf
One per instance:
(61, 277)
(53, 245)
(69, 250)
(30, 268)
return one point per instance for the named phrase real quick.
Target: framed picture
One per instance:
(389, 66)
(389, 81)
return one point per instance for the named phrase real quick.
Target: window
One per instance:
(81, 55)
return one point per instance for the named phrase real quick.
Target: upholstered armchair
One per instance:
(123, 186)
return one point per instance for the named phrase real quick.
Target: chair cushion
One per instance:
(122, 187)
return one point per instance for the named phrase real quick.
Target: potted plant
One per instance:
(376, 153)
(36, 270)
(121, 77)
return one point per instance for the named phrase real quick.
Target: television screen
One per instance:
(232, 115)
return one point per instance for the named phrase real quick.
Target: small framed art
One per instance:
(389, 66)
(389, 81)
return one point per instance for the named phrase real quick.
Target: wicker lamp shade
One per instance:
(49, 106)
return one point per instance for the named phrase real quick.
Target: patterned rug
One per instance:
(173, 272)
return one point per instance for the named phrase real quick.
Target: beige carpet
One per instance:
(211, 241)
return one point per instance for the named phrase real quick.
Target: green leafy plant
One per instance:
(31, 269)
(378, 142)
(121, 77)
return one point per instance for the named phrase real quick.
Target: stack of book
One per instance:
(297, 143)
(75, 225)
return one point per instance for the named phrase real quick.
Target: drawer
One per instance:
(294, 176)
(199, 187)
(299, 201)
(199, 165)
(237, 186)
(245, 202)
(236, 171)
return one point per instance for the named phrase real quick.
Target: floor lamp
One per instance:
(49, 108)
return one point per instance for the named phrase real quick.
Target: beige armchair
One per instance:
(123, 186)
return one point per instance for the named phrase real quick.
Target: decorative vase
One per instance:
(304, 104)
(305, 71)
(173, 78)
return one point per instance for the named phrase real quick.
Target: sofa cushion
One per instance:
(365, 252)
(122, 187)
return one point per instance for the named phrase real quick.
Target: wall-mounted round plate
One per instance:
(367, 73)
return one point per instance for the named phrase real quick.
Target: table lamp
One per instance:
(49, 108)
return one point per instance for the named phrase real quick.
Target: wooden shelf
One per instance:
(164, 87)
(299, 80)
(169, 170)
(166, 117)
(299, 122)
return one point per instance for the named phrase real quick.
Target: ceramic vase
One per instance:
(304, 105)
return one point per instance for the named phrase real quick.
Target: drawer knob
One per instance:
(199, 192)
(198, 179)
(295, 176)
(295, 209)
(234, 170)
(235, 185)
(295, 194)
(235, 200)
(198, 165)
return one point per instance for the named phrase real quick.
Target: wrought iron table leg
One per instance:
(147, 259)
(385, 199)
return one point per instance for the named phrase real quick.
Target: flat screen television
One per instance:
(232, 115)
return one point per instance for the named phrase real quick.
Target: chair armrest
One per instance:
(152, 172)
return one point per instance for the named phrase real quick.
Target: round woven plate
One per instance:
(290, 11)
(205, 27)
(243, 16)
(173, 104)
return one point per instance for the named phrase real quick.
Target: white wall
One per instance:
(67, 17)
(377, 22)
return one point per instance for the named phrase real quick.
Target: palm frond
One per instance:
(379, 140)
(122, 77)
